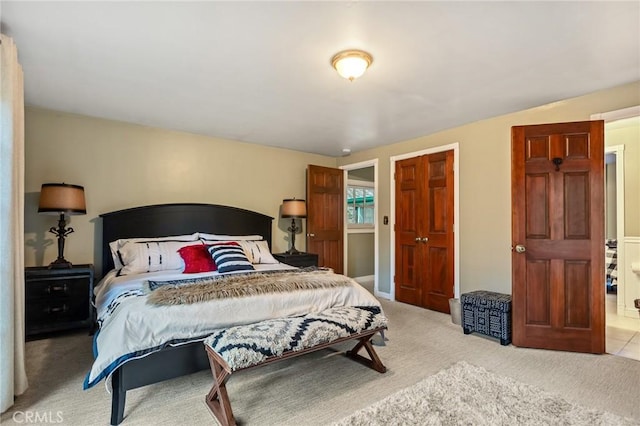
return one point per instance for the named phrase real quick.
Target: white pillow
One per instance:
(151, 256)
(257, 251)
(218, 237)
(114, 246)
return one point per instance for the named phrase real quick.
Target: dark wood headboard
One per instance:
(177, 219)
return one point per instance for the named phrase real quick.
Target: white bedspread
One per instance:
(129, 328)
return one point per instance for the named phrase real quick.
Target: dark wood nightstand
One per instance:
(58, 299)
(301, 260)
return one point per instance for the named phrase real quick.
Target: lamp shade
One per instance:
(56, 198)
(294, 208)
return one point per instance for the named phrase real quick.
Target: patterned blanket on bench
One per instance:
(247, 345)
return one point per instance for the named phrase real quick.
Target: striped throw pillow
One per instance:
(151, 256)
(230, 258)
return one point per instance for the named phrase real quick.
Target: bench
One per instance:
(246, 346)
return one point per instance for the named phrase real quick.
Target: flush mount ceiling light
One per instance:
(351, 64)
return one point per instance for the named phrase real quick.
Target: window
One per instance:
(360, 205)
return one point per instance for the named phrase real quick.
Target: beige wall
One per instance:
(485, 183)
(123, 165)
(361, 255)
(629, 136)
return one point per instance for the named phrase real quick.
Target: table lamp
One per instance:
(61, 198)
(295, 209)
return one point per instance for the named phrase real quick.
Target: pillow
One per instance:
(196, 259)
(257, 251)
(114, 246)
(217, 237)
(151, 256)
(229, 258)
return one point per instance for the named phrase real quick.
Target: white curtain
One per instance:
(13, 378)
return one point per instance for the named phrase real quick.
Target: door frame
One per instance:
(618, 150)
(376, 248)
(455, 147)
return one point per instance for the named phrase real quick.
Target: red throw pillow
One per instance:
(198, 259)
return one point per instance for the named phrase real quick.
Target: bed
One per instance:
(172, 353)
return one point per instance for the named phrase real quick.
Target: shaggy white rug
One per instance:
(468, 395)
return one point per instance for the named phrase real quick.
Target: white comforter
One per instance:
(130, 328)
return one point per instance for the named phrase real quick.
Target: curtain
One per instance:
(13, 378)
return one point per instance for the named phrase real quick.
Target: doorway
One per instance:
(361, 260)
(622, 150)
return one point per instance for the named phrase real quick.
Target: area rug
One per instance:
(465, 394)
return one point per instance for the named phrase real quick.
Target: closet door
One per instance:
(438, 228)
(424, 231)
(408, 212)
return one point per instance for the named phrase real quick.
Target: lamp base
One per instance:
(60, 263)
(293, 250)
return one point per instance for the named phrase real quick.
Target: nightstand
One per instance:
(58, 299)
(300, 260)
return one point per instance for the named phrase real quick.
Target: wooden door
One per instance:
(409, 206)
(424, 231)
(325, 222)
(438, 228)
(558, 234)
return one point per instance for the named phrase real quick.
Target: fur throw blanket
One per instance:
(241, 285)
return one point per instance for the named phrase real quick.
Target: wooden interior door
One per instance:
(438, 228)
(558, 235)
(424, 231)
(409, 206)
(325, 222)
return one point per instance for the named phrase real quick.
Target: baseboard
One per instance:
(630, 312)
(383, 295)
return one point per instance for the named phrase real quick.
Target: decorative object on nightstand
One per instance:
(61, 198)
(300, 260)
(295, 209)
(58, 299)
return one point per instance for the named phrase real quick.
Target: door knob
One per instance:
(520, 248)
(418, 239)
(425, 239)
(311, 235)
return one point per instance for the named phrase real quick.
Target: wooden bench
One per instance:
(241, 347)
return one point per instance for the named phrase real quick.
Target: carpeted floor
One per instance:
(468, 395)
(324, 386)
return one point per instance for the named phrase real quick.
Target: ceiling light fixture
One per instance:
(351, 64)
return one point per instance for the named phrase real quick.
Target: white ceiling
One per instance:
(260, 72)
